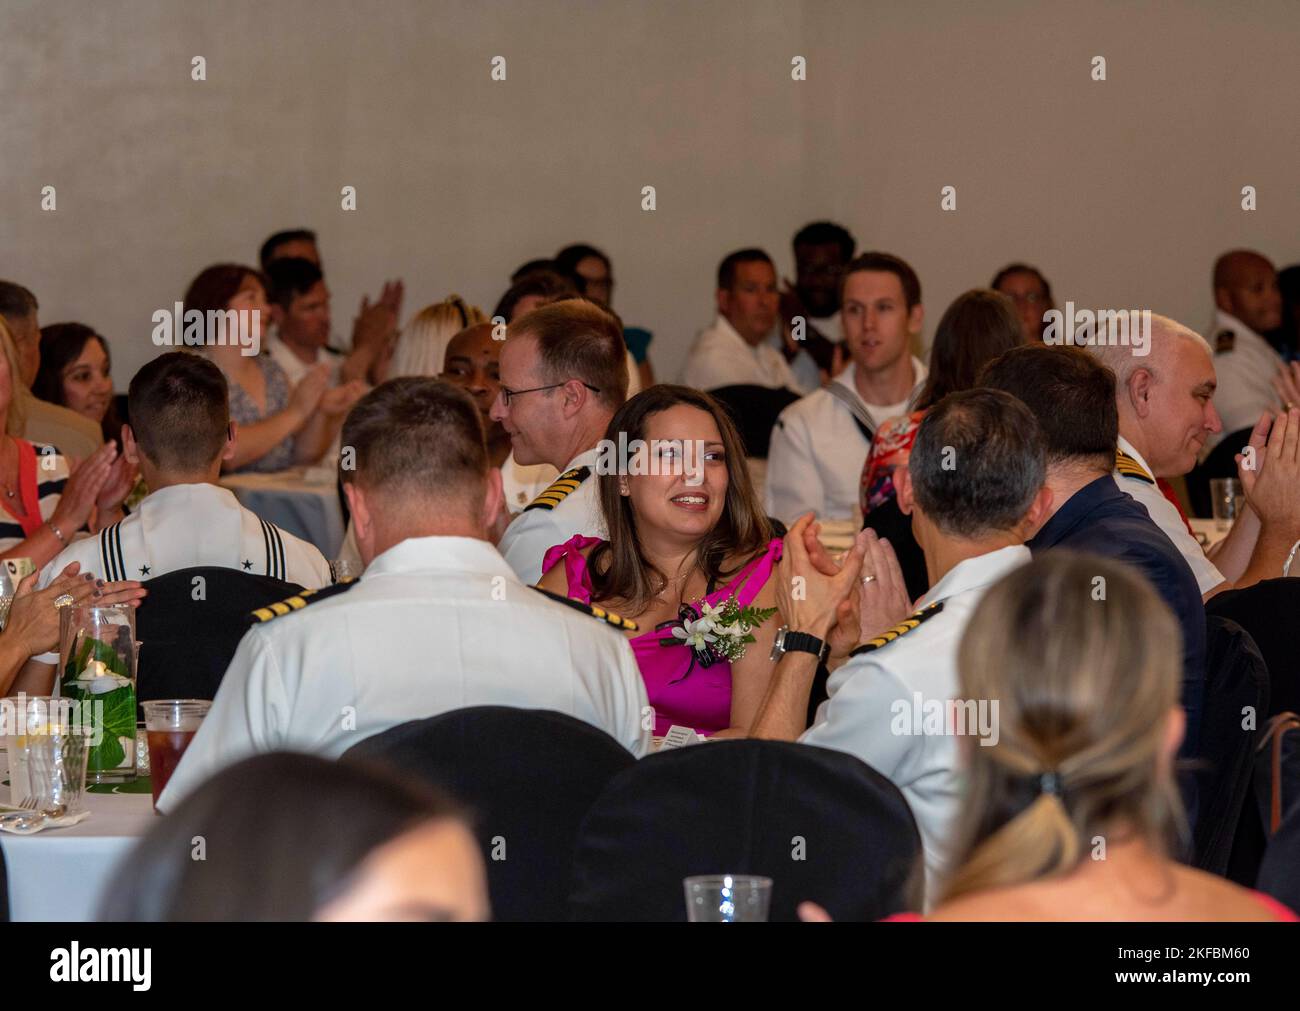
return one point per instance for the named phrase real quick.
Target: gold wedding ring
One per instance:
(64, 599)
(867, 579)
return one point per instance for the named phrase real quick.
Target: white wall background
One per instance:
(1122, 191)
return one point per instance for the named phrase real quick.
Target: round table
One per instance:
(61, 874)
(304, 502)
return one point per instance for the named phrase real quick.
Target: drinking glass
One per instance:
(56, 769)
(170, 725)
(1226, 501)
(97, 667)
(727, 898)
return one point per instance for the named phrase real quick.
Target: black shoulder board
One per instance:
(1224, 341)
(901, 629)
(300, 600)
(627, 624)
(560, 489)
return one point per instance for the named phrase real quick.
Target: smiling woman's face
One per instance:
(683, 444)
(87, 383)
(434, 872)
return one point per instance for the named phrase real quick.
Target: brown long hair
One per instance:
(1083, 685)
(618, 567)
(978, 326)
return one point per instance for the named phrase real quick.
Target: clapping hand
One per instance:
(814, 593)
(377, 322)
(883, 599)
(1271, 486)
(340, 399)
(34, 618)
(84, 489)
(122, 475)
(1287, 384)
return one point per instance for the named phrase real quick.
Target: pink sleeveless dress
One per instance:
(682, 694)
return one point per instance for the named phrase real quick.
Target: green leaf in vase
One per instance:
(119, 721)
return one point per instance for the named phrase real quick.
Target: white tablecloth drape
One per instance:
(303, 502)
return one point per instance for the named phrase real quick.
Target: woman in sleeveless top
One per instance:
(689, 558)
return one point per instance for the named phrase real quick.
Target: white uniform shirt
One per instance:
(815, 460)
(435, 624)
(554, 516)
(1245, 369)
(295, 368)
(521, 483)
(721, 357)
(873, 699)
(1164, 514)
(187, 525)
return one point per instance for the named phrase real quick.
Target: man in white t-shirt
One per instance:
(1167, 404)
(820, 443)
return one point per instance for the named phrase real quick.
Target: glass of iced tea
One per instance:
(169, 726)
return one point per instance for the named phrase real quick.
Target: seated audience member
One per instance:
(532, 290)
(179, 434)
(743, 346)
(972, 522)
(1032, 295)
(686, 535)
(821, 252)
(42, 504)
(1285, 338)
(421, 347)
(1166, 402)
(1088, 725)
(375, 325)
(562, 377)
(1247, 304)
(47, 423)
(280, 423)
(438, 622)
(473, 362)
(296, 838)
(76, 373)
(31, 628)
(1073, 397)
(595, 276)
(977, 327)
(818, 446)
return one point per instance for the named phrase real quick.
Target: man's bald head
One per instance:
(1245, 286)
(1165, 397)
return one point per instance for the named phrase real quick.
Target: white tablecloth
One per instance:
(61, 874)
(1207, 532)
(303, 502)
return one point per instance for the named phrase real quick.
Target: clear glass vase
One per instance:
(97, 667)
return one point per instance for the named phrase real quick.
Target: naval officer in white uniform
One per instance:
(1167, 402)
(1247, 303)
(891, 703)
(820, 443)
(562, 379)
(438, 621)
(180, 432)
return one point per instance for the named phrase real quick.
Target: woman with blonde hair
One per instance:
(1072, 812)
(421, 347)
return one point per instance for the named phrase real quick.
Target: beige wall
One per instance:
(1122, 191)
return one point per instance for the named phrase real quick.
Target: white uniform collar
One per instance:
(1127, 447)
(847, 380)
(452, 554)
(583, 459)
(982, 570)
(167, 497)
(1227, 321)
(723, 326)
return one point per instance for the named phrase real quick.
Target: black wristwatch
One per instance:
(799, 642)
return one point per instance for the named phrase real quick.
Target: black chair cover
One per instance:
(821, 824)
(1268, 612)
(187, 643)
(1236, 678)
(754, 409)
(528, 777)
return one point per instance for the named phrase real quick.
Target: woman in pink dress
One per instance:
(689, 559)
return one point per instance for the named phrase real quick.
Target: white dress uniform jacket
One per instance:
(569, 506)
(815, 461)
(1245, 364)
(435, 624)
(877, 698)
(1134, 477)
(186, 525)
(721, 357)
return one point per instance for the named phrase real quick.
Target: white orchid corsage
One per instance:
(715, 632)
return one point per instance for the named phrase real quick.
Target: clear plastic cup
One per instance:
(727, 898)
(170, 725)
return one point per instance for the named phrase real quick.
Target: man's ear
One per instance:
(232, 437)
(360, 509)
(575, 396)
(1223, 299)
(1038, 513)
(722, 297)
(1139, 392)
(494, 498)
(903, 489)
(915, 318)
(130, 448)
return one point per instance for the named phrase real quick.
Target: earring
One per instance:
(622, 488)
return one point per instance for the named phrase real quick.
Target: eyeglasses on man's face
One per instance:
(507, 393)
